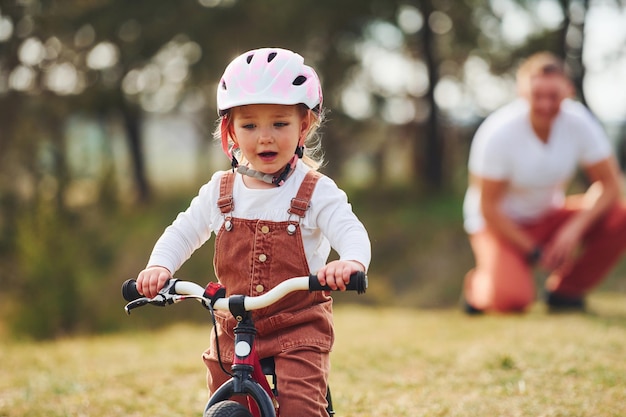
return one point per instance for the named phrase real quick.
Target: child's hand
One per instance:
(152, 279)
(336, 274)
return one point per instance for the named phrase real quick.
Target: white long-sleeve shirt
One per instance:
(329, 221)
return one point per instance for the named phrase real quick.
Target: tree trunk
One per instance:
(573, 54)
(132, 124)
(432, 152)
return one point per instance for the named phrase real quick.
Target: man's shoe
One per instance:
(559, 303)
(469, 309)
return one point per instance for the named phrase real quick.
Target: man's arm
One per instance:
(603, 193)
(492, 192)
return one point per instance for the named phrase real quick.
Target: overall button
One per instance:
(262, 257)
(259, 288)
(265, 229)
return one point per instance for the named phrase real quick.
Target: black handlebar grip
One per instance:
(129, 290)
(358, 283)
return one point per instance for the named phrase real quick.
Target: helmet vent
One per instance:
(249, 58)
(224, 85)
(271, 56)
(300, 79)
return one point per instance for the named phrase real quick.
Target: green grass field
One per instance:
(386, 362)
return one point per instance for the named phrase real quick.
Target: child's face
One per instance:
(268, 134)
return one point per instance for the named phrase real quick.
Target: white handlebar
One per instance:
(250, 302)
(177, 290)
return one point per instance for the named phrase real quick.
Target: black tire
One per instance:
(228, 409)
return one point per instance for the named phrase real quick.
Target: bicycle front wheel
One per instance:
(227, 409)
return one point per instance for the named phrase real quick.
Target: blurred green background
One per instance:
(107, 109)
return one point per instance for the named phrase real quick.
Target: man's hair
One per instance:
(538, 64)
(541, 63)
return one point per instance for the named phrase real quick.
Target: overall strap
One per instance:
(300, 203)
(225, 200)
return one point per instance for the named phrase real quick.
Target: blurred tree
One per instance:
(444, 43)
(110, 57)
(565, 40)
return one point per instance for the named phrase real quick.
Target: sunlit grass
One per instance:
(441, 363)
(386, 362)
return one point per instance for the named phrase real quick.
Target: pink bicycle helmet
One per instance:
(268, 76)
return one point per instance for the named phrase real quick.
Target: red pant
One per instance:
(503, 281)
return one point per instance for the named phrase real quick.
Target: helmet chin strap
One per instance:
(244, 170)
(279, 179)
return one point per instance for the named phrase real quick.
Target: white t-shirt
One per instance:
(505, 147)
(329, 221)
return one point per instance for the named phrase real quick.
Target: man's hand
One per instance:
(562, 248)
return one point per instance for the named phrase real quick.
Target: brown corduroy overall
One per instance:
(251, 257)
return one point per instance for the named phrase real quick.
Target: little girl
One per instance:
(275, 217)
